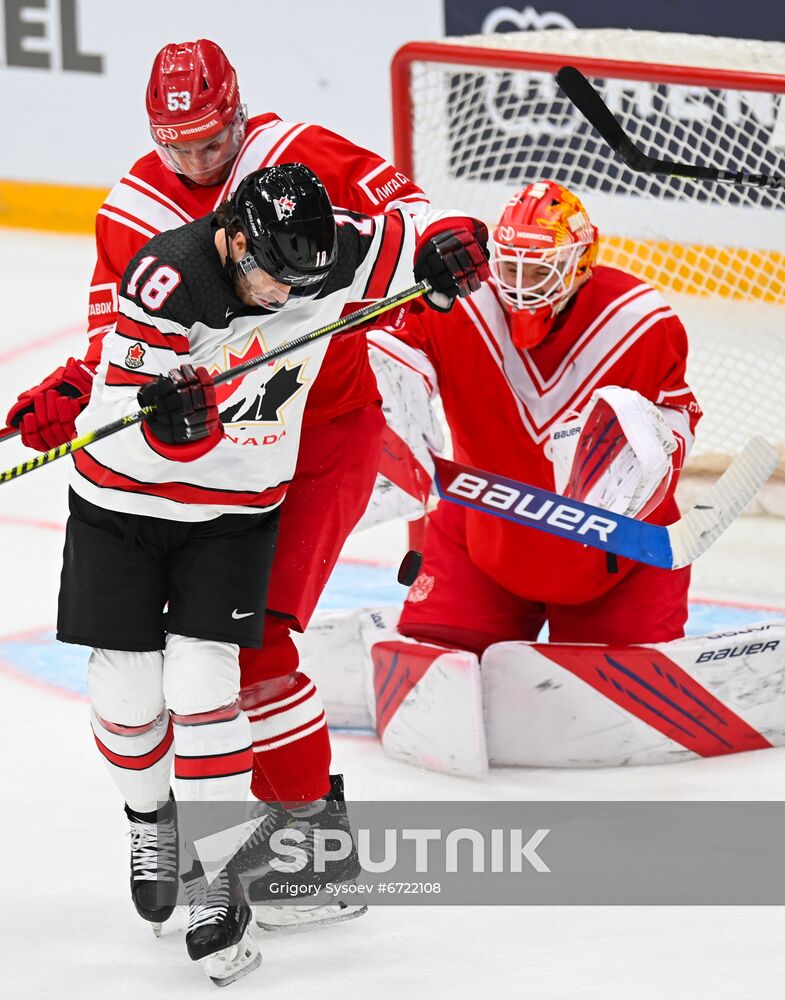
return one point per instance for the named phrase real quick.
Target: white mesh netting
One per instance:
(716, 250)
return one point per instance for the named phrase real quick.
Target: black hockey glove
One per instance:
(455, 262)
(187, 408)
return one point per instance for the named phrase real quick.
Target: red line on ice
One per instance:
(33, 345)
(6, 670)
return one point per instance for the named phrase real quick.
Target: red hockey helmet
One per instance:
(193, 103)
(543, 249)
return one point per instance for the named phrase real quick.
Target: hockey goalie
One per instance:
(569, 376)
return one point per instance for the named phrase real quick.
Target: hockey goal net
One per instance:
(476, 118)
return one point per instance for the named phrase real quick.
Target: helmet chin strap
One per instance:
(230, 267)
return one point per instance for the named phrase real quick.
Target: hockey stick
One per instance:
(669, 547)
(337, 326)
(586, 99)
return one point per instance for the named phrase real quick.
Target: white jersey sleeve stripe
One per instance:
(134, 181)
(135, 203)
(130, 223)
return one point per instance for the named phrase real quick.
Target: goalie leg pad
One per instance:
(552, 705)
(424, 700)
(428, 703)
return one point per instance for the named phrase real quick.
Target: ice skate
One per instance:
(328, 814)
(255, 856)
(154, 862)
(218, 936)
(296, 919)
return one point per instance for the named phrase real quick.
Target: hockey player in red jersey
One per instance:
(569, 376)
(179, 513)
(204, 145)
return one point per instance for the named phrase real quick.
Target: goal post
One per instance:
(479, 117)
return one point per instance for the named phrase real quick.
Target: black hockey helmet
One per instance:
(288, 222)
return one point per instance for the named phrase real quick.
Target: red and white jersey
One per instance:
(501, 405)
(151, 199)
(176, 307)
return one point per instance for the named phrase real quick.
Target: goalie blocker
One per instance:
(549, 705)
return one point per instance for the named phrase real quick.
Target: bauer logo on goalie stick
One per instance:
(499, 496)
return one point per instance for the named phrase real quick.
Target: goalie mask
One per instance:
(543, 249)
(194, 110)
(287, 219)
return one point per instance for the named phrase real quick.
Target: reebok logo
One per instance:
(244, 614)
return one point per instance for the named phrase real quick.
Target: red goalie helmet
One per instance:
(544, 248)
(193, 104)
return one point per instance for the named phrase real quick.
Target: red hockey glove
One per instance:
(455, 262)
(46, 413)
(186, 423)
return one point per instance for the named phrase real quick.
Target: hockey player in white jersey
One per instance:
(204, 145)
(179, 512)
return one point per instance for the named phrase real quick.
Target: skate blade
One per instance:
(231, 964)
(299, 919)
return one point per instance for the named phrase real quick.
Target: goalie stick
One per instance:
(669, 547)
(588, 101)
(337, 326)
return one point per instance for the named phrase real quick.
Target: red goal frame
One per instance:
(546, 62)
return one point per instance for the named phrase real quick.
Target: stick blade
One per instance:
(586, 99)
(723, 502)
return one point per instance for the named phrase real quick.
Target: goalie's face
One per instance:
(531, 279)
(543, 249)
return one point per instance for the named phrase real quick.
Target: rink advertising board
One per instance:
(78, 75)
(78, 81)
(700, 17)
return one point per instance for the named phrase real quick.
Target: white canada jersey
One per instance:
(176, 307)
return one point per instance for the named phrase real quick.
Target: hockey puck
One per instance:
(409, 569)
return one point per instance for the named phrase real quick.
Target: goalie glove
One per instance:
(617, 454)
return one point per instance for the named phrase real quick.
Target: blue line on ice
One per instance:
(353, 585)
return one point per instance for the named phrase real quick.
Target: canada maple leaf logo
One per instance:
(260, 395)
(284, 207)
(135, 356)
